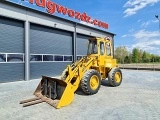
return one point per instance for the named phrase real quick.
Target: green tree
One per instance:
(152, 58)
(157, 58)
(126, 59)
(145, 57)
(135, 55)
(120, 53)
(140, 53)
(130, 57)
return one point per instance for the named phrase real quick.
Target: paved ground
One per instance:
(138, 98)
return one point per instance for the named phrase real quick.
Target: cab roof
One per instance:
(99, 38)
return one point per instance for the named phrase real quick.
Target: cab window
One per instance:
(92, 48)
(108, 49)
(102, 48)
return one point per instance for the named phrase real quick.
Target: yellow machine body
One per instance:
(86, 72)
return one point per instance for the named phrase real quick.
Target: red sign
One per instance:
(52, 7)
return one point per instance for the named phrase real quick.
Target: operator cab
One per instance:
(99, 47)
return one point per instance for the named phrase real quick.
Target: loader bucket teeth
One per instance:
(53, 91)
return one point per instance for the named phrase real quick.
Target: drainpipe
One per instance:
(27, 51)
(75, 44)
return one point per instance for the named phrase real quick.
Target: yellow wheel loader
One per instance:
(86, 73)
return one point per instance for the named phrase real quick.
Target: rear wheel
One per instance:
(115, 77)
(90, 82)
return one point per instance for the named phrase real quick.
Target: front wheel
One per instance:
(115, 77)
(90, 82)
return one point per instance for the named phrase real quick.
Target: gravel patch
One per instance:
(137, 98)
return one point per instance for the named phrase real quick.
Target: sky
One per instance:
(133, 21)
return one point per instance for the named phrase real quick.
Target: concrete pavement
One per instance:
(137, 98)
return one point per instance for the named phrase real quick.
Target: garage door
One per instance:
(81, 45)
(50, 51)
(11, 50)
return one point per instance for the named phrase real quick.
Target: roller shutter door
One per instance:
(81, 45)
(11, 50)
(50, 50)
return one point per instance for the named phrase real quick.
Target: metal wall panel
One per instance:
(45, 40)
(47, 69)
(10, 72)
(11, 36)
(11, 50)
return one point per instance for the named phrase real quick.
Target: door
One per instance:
(50, 51)
(11, 50)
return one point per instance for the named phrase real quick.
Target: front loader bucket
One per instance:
(55, 92)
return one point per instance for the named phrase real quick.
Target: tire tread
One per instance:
(85, 79)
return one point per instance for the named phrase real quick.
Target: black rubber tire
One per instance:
(85, 82)
(112, 79)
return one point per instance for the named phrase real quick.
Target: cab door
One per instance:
(101, 53)
(108, 55)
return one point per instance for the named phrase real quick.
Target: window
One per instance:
(108, 49)
(2, 57)
(102, 48)
(47, 57)
(50, 58)
(14, 57)
(67, 58)
(58, 58)
(92, 48)
(95, 49)
(36, 58)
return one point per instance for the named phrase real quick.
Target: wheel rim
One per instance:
(94, 82)
(117, 77)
